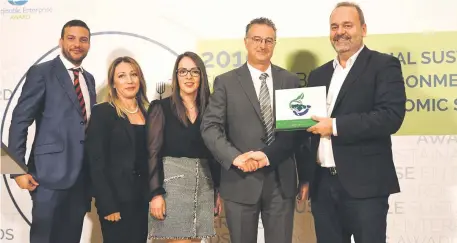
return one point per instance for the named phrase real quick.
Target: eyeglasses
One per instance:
(268, 41)
(194, 72)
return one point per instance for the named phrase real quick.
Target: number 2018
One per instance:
(223, 59)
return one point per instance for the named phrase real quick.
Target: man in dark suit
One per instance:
(355, 173)
(57, 95)
(259, 172)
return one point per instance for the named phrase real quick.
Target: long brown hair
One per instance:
(112, 97)
(202, 92)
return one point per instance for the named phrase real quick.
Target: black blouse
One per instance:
(141, 152)
(167, 136)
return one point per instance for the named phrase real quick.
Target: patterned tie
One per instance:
(79, 93)
(265, 109)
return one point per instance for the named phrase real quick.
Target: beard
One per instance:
(344, 45)
(76, 61)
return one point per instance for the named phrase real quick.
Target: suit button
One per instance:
(82, 123)
(81, 142)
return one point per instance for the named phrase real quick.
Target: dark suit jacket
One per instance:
(49, 99)
(370, 107)
(111, 153)
(232, 125)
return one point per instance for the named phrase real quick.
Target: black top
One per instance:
(179, 140)
(168, 136)
(117, 157)
(141, 154)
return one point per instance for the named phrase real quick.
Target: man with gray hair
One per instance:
(259, 172)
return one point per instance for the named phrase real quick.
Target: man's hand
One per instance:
(324, 127)
(251, 161)
(239, 161)
(218, 206)
(303, 193)
(261, 157)
(249, 166)
(26, 182)
(114, 217)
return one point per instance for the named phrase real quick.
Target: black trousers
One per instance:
(338, 215)
(132, 227)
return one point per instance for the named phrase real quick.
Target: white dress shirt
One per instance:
(255, 75)
(82, 82)
(325, 150)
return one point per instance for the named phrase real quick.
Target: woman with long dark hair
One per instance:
(183, 176)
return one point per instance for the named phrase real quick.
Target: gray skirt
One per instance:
(189, 201)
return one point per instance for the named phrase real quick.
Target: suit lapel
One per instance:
(66, 83)
(327, 76)
(278, 83)
(356, 70)
(245, 79)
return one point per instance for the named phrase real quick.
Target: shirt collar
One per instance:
(68, 65)
(350, 61)
(255, 73)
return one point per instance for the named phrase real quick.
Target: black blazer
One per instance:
(370, 107)
(111, 153)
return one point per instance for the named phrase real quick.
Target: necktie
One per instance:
(79, 93)
(265, 109)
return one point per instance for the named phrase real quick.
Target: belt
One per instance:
(331, 170)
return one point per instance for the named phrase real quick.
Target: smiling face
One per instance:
(346, 30)
(75, 44)
(126, 81)
(188, 76)
(260, 43)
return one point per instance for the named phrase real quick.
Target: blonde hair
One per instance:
(113, 99)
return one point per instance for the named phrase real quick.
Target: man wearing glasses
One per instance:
(259, 174)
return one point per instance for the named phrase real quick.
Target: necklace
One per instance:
(189, 108)
(132, 112)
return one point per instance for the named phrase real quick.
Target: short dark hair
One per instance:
(353, 5)
(74, 23)
(261, 20)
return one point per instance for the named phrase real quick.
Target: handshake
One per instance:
(251, 161)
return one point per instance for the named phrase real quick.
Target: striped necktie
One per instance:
(265, 109)
(79, 93)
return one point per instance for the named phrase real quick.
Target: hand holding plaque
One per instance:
(295, 107)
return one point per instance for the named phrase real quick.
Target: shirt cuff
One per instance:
(335, 133)
(13, 176)
(268, 161)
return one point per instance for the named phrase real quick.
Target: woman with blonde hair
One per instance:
(117, 156)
